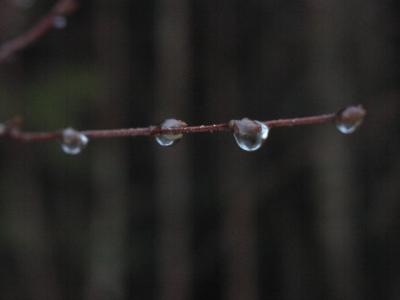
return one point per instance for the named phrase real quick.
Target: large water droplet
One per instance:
(169, 139)
(349, 119)
(249, 134)
(73, 141)
(59, 22)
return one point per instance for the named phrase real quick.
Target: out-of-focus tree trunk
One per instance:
(173, 178)
(22, 200)
(331, 83)
(236, 188)
(108, 235)
(239, 236)
(25, 221)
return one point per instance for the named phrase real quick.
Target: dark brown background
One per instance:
(312, 215)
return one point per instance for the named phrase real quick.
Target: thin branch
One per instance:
(351, 114)
(61, 8)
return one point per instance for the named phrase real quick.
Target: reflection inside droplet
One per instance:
(347, 128)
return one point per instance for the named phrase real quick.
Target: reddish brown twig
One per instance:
(11, 131)
(61, 8)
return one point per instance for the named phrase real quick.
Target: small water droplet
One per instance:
(73, 141)
(59, 22)
(169, 139)
(249, 134)
(349, 119)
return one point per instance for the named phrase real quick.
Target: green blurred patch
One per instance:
(61, 96)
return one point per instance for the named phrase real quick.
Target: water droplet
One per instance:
(59, 22)
(249, 134)
(169, 139)
(349, 119)
(73, 141)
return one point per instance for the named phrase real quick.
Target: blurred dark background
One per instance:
(312, 215)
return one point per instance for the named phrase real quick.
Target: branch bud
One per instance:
(244, 126)
(351, 114)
